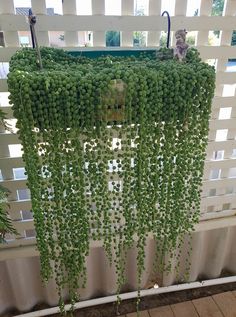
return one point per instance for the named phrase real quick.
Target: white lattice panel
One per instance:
(219, 184)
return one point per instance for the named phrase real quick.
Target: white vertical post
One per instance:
(98, 8)
(154, 9)
(127, 8)
(38, 8)
(181, 7)
(7, 7)
(205, 10)
(11, 38)
(69, 8)
(226, 36)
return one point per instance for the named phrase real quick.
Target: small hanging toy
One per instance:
(181, 47)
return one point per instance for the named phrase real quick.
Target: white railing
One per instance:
(219, 185)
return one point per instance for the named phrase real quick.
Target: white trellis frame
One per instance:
(219, 194)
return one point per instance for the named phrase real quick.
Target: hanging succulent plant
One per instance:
(114, 149)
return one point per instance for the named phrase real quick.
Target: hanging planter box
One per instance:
(114, 148)
(61, 81)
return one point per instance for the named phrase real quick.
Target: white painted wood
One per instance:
(3, 84)
(38, 7)
(222, 124)
(22, 225)
(217, 200)
(122, 23)
(226, 36)
(7, 7)
(221, 183)
(205, 10)
(227, 163)
(20, 205)
(222, 145)
(154, 10)
(127, 9)
(205, 7)
(13, 185)
(98, 8)
(8, 138)
(11, 38)
(181, 7)
(11, 162)
(69, 8)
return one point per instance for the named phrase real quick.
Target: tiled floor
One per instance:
(220, 305)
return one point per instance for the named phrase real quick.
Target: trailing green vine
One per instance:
(114, 150)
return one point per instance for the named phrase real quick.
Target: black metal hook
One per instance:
(169, 25)
(32, 21)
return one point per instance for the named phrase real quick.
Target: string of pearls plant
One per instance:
(114, 150)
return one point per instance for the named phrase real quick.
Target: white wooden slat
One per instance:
(217, 214)
(217, 200)
(11, 162)
(215, 224)
(230, 8)
(226, 36)
(120, 23)
(205, 10)
(154, 10)
(226, 78)
(219, 102)
(227, 163)
(221, 183)
(222, 145)
(10, 38)
(39, 8)
(205, 7)
(22, 225)
(7, 6)
(98, 11)
(16, 205)
(69, 8)
(181, 7)
(13, 185)
(222, 124)
(19, 251)
(17, 243)
(8, 138)
(127, 9)
(3, 85)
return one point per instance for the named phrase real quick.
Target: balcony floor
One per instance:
(219, 305)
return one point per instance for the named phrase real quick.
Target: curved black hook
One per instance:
(169, 25)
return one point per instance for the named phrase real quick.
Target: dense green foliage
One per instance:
(114, 150)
